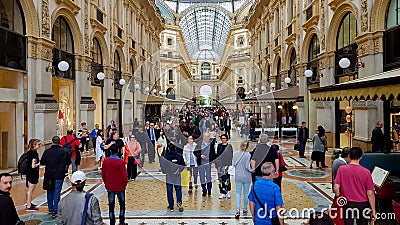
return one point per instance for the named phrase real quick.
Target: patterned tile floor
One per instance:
(146, 198)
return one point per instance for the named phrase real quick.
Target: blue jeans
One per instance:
(170, 195)
(205, 177)
(239, 187)
(245, 137)
(111, 206)
(53, 197)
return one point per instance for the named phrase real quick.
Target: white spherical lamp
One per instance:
(344, 63)
(154, 91)
(287, 80)
(308, 73)
(63, 66)
(272, 85)
(122, 82)
(100, 76)
(137, 86)
(263, 88)
(160, 92)
(256, 90)
(147, 89)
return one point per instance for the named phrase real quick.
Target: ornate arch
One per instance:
(31, 18)
(103, 44)
(73, 24)
(307, 41)
(335, 23)
(378, 14)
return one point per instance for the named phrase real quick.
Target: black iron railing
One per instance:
(60, 55)
(99, 16)
(13, 49)
(96, 68)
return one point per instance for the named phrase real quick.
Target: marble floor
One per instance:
(146, 203)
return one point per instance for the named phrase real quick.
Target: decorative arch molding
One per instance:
(120, 51)
(307, 41)
(73, 24)
(378, 14)
(31, 18)
(335, 23)
(103, 44)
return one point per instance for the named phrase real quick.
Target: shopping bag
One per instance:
(185, 175)
(231, 170)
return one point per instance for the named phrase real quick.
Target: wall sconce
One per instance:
(295, 107)
(137, 87)
(62, 66)
(256, 90)
(122, 82)
(147, 90)
(263, 88)
(288, 80)
(154, 91)
(280, 107)
(100, 76)
(344, 63)
(272, 86)
(268, 106)
(309, 73)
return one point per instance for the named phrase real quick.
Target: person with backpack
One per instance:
(32, 172)
(71, 144)
(79, 207)
(55, 159)
(172, 164)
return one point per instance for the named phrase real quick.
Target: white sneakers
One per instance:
(227, 195)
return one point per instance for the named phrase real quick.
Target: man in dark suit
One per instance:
(228, 126)
(153, 134)
(302, 137)
(377, 138)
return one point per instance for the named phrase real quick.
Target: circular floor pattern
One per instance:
(307, 173)
(94, 175)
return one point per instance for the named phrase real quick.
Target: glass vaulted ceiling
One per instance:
(181, 5)
(205, 29)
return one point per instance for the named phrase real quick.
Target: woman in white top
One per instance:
(191, 161)
(99, 151)
(161, 144)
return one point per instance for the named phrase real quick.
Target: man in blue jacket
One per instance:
(93, 136)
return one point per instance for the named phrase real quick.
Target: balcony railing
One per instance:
(60, 55)
(239, 55)
(13, 53)
(171, 56)
(117, 77)
(96, 68)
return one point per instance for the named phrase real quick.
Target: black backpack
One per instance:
(68, 147)
(22, 164)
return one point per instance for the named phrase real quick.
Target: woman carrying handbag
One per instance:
(319, 145)
(131, 157)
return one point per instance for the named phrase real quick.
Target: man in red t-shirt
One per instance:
(75, 144)
(354, 183)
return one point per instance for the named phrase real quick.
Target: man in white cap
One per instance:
(78, 203)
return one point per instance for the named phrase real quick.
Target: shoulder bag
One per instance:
(274, 220)
(231, 169)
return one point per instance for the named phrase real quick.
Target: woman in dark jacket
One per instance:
(32, 172)
(223, 159)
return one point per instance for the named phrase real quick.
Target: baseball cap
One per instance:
(78, 177)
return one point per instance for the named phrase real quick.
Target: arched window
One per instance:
(313, 51)
(97, 63)
(346, 47)
(391, 36)
(347, 31)
(278, 75)
(205, 71)
(393, 14)
(96, 53)
(11, 16)
(292, 69)
(170, 93)
(64, 48)
(12, 35)
(117, 71)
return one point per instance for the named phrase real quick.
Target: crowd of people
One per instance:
(194, 142)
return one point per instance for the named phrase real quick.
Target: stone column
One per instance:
(86, 111)
(86, 106)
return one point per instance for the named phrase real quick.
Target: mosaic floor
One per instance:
(146, 196)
